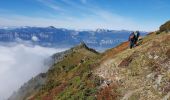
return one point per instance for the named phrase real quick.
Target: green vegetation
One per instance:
(72, 78)
(139, 73)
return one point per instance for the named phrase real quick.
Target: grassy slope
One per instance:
(77, 76)
(71, 78)
(140, 73)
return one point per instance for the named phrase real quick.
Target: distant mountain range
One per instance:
(60, 37)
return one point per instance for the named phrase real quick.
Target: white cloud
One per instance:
(100, 19)
(51, 4)
(92, 17)
(20, 63)
(34, 38)
(87, 16)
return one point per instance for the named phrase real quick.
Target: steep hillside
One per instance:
(165, 27)
(141, 73)
(70, 76)
(120, 73)
(28, 88)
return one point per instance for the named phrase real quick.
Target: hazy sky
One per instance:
(86, 14)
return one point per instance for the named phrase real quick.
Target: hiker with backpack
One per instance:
(133, 39)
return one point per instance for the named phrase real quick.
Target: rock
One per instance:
(166, 97)
(151, 76)
(158, 80)
(156, 57)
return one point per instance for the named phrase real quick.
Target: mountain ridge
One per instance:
(36, 83)
(117, 74)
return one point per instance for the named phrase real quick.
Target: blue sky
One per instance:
(146, 15)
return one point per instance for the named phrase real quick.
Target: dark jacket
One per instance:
(132, 37)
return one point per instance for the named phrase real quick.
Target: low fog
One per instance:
(20, 63)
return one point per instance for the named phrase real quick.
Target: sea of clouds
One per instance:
(19, 63)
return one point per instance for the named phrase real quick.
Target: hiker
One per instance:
(133, 39)
(136, 34)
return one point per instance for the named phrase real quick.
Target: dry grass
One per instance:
(112, 52)
(108, 93)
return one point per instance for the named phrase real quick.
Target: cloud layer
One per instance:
(20, 63)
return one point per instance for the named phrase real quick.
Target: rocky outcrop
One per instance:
(165, 27)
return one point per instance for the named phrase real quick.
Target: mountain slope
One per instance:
(141, 73)
(120, 73)
(71, 77)
(28, 88)
(70, 74)
(165, 27)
